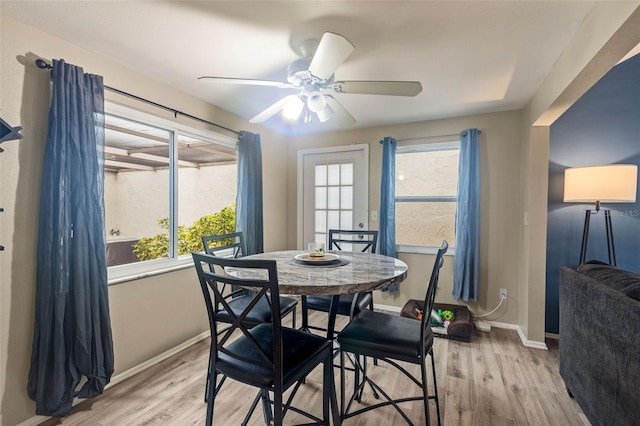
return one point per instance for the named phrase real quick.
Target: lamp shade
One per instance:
(615, 183)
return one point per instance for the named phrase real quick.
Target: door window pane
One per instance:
(321, 220)
(346, 219)
(333, 195)
(346, 197)
(333, 176)
(334, 219)
(321, 175)
(321, 197)
(346, 174)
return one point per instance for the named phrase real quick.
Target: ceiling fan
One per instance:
(314, 74)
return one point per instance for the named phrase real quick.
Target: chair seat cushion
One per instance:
(260, 313)
(382, 335)
(323, 303)
(299, 351)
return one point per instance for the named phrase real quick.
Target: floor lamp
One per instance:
(615, 183)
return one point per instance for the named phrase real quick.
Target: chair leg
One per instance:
(210, 397)
(375, 360)
(363, 367)
(277, 408)
(330, 401)
(435, 384)
(269, 416)
(293, 319)
(254, 404)
(425, 393)
(305, 314)
(208, 381)
(342, 380)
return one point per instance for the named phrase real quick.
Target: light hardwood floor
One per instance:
(494, 380)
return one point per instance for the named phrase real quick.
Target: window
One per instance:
(426, 190)
(166, 185)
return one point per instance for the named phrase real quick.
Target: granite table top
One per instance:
(357, 272)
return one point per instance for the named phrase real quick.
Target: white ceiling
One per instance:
(470, 56)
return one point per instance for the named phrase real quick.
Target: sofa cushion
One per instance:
(617, 279)
(632, 291)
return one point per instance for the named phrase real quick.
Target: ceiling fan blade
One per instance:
(248, 81)
(340, 114)
(332, 51)
(391, 88)
(273, 109)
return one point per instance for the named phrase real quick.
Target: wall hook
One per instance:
(8, 132)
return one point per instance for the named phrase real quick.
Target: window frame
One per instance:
(132, 271)
(424, 146)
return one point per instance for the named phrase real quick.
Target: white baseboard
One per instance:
(387, 308)
(36, 420)
(528, 343)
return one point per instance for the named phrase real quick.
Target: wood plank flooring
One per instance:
(494, 380)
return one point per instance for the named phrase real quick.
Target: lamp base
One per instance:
(609, 230)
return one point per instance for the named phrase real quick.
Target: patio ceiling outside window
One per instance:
(135, 146)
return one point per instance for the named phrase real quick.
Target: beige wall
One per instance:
(149, 316)
(500, 153)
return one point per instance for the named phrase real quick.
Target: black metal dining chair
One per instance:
(391, 338)
(349, 304)
(267, 356)
(232, 246)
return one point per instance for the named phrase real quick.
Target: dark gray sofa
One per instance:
(600, 341)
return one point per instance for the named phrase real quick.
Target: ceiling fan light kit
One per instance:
(316, 101)
(314, 73)
(293, 108)
(325, 114)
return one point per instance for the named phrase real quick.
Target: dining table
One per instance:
(335, 273)
(338, 272)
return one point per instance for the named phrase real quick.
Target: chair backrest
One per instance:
(224, 245)
(213, 277)
(352, 240)
(432, 287)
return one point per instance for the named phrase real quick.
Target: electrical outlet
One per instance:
(503, 293)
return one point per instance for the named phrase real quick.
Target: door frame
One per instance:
(300, 181)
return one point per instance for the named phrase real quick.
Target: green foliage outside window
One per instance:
(189, 237)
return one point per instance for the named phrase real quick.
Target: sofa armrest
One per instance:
(600, 348)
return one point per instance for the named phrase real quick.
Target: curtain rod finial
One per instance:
(40, 63)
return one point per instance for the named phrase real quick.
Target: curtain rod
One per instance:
(40, 63)
(429, 137)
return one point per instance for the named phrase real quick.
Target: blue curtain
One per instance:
(466, 274)
(72, 331)
(249, 194)
(387, 224)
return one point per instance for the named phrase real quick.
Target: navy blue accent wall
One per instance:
(602, 127)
